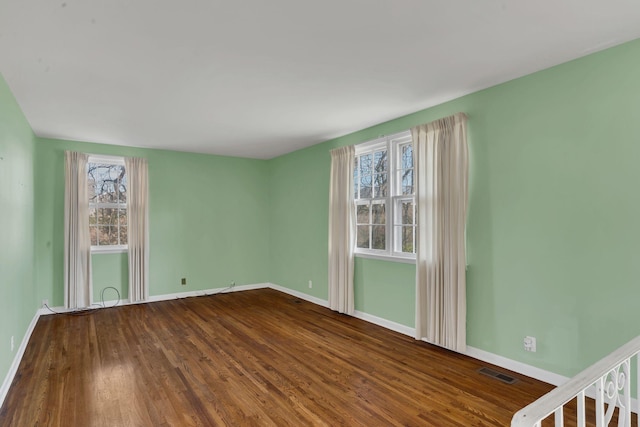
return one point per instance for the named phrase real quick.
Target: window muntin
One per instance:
(107, 184)
(405, 226)
(371, 219)
(384, 197)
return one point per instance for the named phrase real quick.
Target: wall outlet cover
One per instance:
(530, 344)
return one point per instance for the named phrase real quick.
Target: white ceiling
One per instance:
(259, 78)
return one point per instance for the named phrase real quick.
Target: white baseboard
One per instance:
(156, 298)
(515, 366)
(13, 369)
(205, 292)
(114, 303)
(476, 353)
(301, 295)
(388, 324)
(44, 311)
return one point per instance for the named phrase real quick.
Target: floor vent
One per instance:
(497, 375)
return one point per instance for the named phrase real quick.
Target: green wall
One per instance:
(396, 280)
(17, 294)
(110, 270)
(208, 221)
(553, 233)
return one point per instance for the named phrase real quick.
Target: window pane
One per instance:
(407, 239)
(101, 217)
(379, 213)
(106, 235)
(355, 178)
(93, 216)
(121, 226)
(107, 183)
(407, 212)
(365, 187)
(366, 164)
(122, 186)
(363, 236)
(407, 156)
(112, 215)
(122, 216)
(381, 186)
(113, 235)
(93, 233)
(103, 235)
(92, 187)
(123, 235)
(355, 189)
(363, 214)
(378, 237)
(407, 181)
(105, 192)
(380, 161)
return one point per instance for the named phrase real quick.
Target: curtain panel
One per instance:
(442, 168)
(138, 232)
(77, 243)
(341, 230)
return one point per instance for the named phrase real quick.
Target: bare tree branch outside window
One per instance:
(107, 204)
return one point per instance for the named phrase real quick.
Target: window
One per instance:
(107, 183)
(384, 197)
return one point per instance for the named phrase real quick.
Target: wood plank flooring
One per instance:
(247, 358)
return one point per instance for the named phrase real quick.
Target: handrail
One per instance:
(553, 401)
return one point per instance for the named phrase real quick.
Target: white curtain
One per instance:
(77, 243)
(341, 230)
(441, 165)
(138, 222)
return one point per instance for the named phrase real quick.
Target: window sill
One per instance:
(386, 258)
(108, 249)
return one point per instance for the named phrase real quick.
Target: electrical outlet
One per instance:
(310, 284)
(530, 344)
(45, 303)
(12, 343)
(232, 284)
(183, 281)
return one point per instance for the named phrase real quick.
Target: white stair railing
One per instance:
(610, 378)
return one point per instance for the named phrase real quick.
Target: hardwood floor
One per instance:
(247, 358)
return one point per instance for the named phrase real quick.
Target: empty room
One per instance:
(319, 213)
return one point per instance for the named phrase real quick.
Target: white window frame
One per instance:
(110, 160)
(393, 200)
